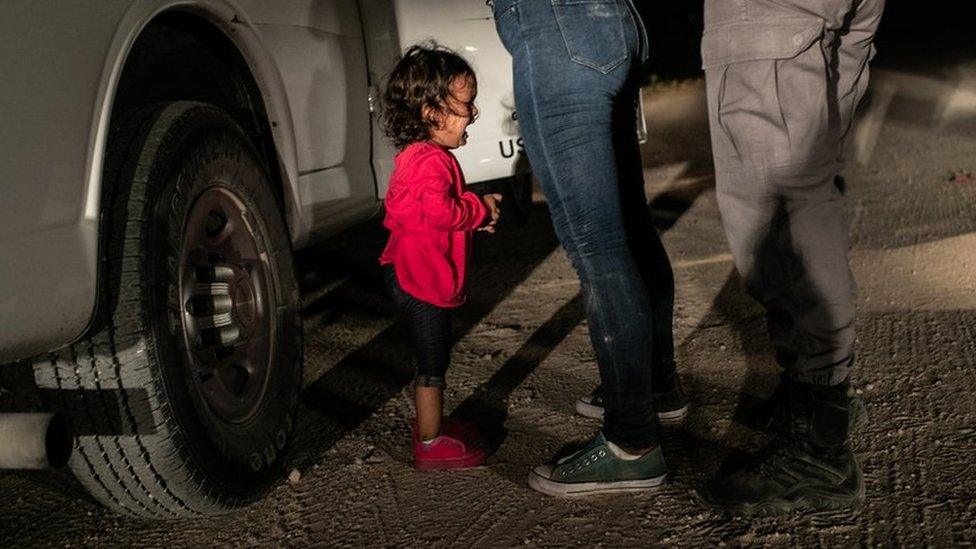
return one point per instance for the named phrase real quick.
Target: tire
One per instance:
(182, 396)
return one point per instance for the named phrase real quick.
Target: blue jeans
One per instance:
(577, 75)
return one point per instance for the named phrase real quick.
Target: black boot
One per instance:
(808, 465)
(763, 415)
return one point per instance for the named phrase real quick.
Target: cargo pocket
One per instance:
(593, 32)
(767, 90)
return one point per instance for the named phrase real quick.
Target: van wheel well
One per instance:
(182, 56)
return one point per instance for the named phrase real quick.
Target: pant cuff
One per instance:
(829, 377)
(642, 433)
(429, 381)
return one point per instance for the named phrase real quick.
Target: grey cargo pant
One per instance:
(783, 79)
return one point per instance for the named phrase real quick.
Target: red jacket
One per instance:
(431, 219)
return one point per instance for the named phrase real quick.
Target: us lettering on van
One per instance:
(510, 147)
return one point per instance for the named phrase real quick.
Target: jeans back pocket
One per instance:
(593, 32)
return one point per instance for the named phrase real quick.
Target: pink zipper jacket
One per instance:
(431, 219)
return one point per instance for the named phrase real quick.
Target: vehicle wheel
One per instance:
(182, 397)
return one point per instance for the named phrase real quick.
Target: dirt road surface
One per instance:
(523, 357)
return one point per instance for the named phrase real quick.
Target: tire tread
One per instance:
(136, 474)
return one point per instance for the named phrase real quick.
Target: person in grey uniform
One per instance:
(783, 79)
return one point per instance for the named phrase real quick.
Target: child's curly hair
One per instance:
(422, 77)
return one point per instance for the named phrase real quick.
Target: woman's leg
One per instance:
(642, 237)
(566, 115)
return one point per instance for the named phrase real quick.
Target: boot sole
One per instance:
(582, 489)
(821, 500)
(596, 412)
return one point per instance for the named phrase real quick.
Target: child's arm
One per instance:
(445, 211)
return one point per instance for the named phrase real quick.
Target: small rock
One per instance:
(294, 476)
(372, 457)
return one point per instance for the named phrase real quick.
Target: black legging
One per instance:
(430, 330)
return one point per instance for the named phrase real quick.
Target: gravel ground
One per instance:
(523, 357)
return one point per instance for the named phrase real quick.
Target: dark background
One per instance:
(912, 31)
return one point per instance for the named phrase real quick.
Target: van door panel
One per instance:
(466, 26)
(318, 48)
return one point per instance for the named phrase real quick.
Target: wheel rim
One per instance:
(228, 304)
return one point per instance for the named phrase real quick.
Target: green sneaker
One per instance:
(808, 465)
(671, 406)
(597, 469)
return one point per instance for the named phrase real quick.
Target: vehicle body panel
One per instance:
(54, 79)
(315, 62)
(57, 98)
(318, 50)
(467, 27)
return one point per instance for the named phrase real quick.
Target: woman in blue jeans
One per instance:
(577, 71)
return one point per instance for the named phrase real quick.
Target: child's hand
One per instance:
(491, 201)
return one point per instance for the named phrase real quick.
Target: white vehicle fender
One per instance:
(243, 33)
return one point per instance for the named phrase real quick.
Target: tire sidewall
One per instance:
(204, 147)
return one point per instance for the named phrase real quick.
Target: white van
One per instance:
(162, 160)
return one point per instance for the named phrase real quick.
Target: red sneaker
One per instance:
(455, 428)
(446, 452)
